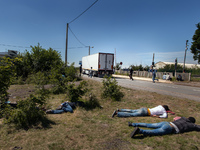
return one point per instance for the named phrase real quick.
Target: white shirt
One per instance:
(159, 111)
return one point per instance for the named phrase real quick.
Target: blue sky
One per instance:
(134, 28)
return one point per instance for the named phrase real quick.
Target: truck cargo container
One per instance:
(100, 63)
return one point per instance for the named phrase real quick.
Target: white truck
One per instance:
(100, 63)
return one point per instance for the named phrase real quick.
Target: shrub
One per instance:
(28, 113)
(7, 74)
(92, 102)
(75, 92)
(111, 89)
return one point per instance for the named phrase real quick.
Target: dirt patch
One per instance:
(17, 92)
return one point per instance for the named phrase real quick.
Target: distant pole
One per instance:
(153, 61)
(185, 56)
(115, 58)
(66, 47)
(175, 66)
(89, 49)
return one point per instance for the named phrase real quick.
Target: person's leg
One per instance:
(67, 108)
(60, 111)
(133, 113)
(161, 128)
(153, 78)
(128, 110)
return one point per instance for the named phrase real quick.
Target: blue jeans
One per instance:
(66, 108)
(132, 113)
(160, 128)
(154, 78)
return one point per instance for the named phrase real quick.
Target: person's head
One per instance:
(166, 107)
(192, 119)
(168, 110)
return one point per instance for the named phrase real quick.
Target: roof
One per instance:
(186, 65)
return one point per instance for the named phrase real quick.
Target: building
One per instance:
(10, 53)
(161, 64)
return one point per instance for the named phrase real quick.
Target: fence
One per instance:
(147, 74)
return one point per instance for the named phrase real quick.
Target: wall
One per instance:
(185, 76)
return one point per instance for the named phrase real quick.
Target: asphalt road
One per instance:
(192, 93)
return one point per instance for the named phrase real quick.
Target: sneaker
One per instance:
(114, 113)
(129, 124)
(135, 131)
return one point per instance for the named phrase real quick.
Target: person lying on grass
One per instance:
(179, 125)
(64, 107)
(159, 111)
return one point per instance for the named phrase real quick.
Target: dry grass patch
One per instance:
(95, 129)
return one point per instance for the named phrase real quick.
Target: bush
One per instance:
(28, 113)
(111, 89)
(92, 103)
(7, 74)
(75, 92)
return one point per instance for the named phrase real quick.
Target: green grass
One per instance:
(95, 129)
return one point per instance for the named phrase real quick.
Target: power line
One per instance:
(82, 12)
(75, 47)
(20, 46)
(76, 37)
(14, 46)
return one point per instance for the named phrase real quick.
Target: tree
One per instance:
(38, 59)
(118, 67)
(195, 48)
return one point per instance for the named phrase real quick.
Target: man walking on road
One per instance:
(131, 74)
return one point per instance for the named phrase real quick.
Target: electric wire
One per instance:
(14, 46)
(76, 37)
(83, 12)
(20, 46)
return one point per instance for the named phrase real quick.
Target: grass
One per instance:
(95, 129)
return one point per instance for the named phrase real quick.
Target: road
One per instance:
(192, 93)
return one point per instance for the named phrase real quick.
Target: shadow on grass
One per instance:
(92, 103)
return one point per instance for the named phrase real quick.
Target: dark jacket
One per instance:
(185, 125)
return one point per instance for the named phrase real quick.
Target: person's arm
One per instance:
(155, 116)
(197, 127)
(164, 115)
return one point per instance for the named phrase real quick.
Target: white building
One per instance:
(161, 64)
(10, 53)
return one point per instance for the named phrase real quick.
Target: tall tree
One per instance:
(195, 48)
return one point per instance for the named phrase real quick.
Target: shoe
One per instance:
(135, 131)
(129, 124)
(114, 113)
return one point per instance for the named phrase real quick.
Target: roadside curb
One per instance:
(140, 78)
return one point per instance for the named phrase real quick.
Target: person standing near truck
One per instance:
(91, 73)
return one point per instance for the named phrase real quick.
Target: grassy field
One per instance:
(95, 129)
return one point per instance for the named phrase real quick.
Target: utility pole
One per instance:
(175, 66)
(115, 58)
(153, 61)
(185, 56)
(66, 47)
(89, 49)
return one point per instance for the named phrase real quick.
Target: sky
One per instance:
(134, 30)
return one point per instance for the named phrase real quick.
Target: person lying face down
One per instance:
(179, 125)
(160, 111)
